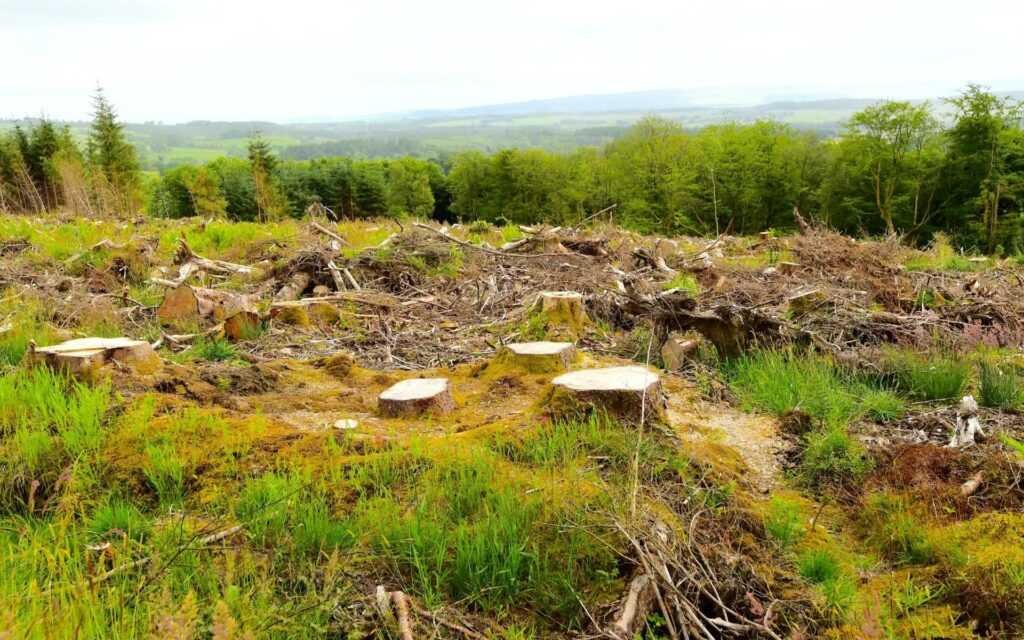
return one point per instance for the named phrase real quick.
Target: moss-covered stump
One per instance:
(243, 325)
(411, 398)
(78, 357)
(563, 312)
(630, 393)
(534, 357)
(305, 313)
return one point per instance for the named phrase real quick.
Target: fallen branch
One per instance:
(330, 234)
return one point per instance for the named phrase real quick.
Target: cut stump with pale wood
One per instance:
(535, 357)
(184, 303)
(631, 392)
(417, 396)
(80, 356)
(563, 312)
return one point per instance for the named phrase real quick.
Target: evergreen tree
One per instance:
(262, 163)
(110, 155)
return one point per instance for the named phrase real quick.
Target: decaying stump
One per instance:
(305, 313)
(631, 392)
(242, 325)
(536, 357)
(805, 302)
(968, 427)
(194, 303)
(86, 354)
(414, 397)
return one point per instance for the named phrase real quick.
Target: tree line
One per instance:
(896, 167)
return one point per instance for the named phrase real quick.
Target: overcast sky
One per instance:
(287, 59)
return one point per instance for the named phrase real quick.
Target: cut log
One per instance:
(183, 303)
(679, 349)
(631, 392)
(411, 398)
(295, 286)
(86, 354)
(535, 357)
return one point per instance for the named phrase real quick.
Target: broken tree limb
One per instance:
(339, 282)
(370, 298)
(484, 249)
(632, 612)
(327, 232)
(972, 485)
(186, 256)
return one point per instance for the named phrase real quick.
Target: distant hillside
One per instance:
(553, 124)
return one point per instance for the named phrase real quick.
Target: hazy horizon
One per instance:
(253, 61)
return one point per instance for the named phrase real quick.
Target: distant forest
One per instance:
(889, 167)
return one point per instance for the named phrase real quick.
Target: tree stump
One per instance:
(184, 303)
(563, 312)
(631, 393)
(535, 357)
(81, 356)
(414, 397)
(305, 313)
(242, 325)
(805, 302)
(679, 349)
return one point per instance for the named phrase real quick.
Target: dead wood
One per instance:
(184, 302)
(185, 256)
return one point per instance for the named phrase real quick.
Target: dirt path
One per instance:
(756, 438)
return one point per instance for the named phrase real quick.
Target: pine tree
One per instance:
(111, 156)
(262, 163)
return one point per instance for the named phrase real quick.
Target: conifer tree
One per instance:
(262, 163)
(111, 156)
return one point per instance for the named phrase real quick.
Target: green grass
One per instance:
(819, 565)
(781, 381)
(116, 518)
(165, 473)
(831, 457)
(999, 387)
(684, 282)
(784, 522)
(894, 532)
(930, 375)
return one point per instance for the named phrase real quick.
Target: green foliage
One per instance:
(931, 375)
(819, 565)
(165, 473)
(213, 349)
(783, 522)
(832, 457)
(894, 532)
(781, 381)
(999, 387)
(116, 518)
(683, 281)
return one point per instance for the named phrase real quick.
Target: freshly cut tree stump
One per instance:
(194, 303)
(563, 312)
(626, 392)
(410, 398)
(536, 357)
(86, 354)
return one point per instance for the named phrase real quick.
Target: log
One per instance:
(414, 397)
(536, 357)
(631, 392)
(80, 356)
(805, 302)
(294, 287)
(632, 612)
(195, 303)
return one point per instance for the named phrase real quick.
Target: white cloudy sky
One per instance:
(285, 59)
